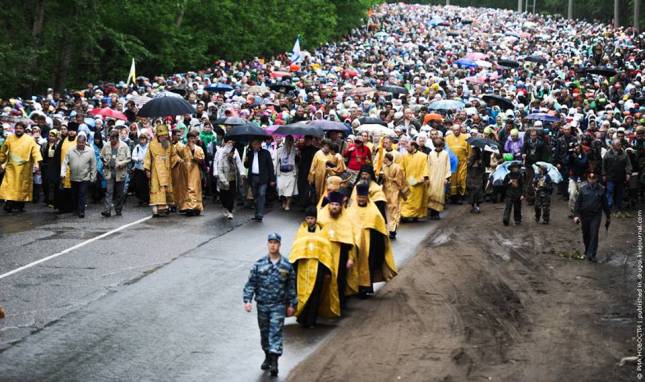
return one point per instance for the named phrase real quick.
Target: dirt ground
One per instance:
(484, 302)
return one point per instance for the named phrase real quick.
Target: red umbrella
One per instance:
(106, 112)
(350, 73)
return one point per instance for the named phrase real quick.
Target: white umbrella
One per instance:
(375, 129)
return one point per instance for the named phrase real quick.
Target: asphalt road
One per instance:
(159, 300)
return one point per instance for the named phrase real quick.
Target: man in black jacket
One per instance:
(564, 148)
(533, 151)
(258, 162)
(616, 170)
(304, 158)
(590, 204)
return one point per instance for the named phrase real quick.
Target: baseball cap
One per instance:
(274, 237)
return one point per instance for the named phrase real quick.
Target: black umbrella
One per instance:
(536, 59)
(234, 121)
(180, 91)
(508, 63)
(282, 87)
(603, 71)
(330, 125)
(219, 121)
(484, 144)
(246, 132)
(164, 105)
(392, 89)
(503, 103)
(300, 128)
(371, 121)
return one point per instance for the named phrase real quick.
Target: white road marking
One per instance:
(77, 246)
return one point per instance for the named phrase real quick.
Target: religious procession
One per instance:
(420, 116)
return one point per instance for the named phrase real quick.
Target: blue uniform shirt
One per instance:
(271, 283)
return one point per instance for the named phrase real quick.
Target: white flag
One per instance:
(296, 57)
(133, 74)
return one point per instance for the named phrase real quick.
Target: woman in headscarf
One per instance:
(97, 189)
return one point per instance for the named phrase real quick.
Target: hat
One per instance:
(362, 189)
(537, 124)
(274, 237)
(515, 132)
(311, 211)
(335, 197)
(53, 132)
(161, 130)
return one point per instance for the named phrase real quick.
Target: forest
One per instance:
(64, 43)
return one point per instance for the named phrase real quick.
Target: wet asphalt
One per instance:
(157, 301)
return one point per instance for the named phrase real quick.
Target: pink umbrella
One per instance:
(476, 56)
(483, 77)
(277, 74)
(106, 112)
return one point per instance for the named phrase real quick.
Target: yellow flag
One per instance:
(132, 74)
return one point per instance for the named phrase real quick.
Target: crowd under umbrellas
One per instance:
(416, 71)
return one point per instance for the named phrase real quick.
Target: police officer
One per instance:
(590, 204)
(272, 282)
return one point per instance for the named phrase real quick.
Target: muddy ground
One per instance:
(484, 302)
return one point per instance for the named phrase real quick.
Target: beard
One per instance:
(165, 144)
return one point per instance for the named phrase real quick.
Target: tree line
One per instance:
(64, 43)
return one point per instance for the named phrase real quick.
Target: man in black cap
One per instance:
(272, 282)
(375, 260)
(590, 204)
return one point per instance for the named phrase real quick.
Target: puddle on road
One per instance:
(16, 223)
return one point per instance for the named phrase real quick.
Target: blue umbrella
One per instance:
(497, 177)
(551, 170)
(466, 63)
(219, 87)
(544, 117)
(454, 161)
(446, 105)
(90, 122)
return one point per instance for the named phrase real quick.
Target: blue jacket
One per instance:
(272, 283)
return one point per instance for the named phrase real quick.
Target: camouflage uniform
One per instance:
(274, 288)
(543, 189)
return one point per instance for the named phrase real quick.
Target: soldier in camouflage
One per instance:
(272, 282)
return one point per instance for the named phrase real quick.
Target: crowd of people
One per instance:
(435, 102)
(438, 105)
